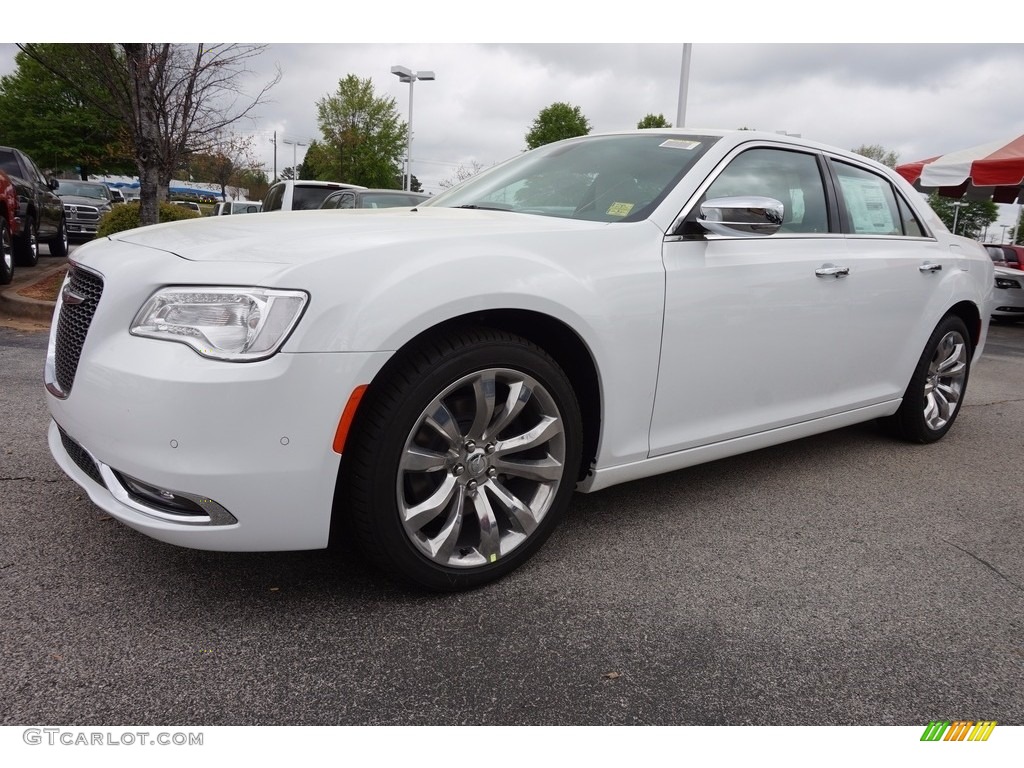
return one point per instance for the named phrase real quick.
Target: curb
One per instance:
(13, 304)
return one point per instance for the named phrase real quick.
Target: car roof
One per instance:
(317, 183)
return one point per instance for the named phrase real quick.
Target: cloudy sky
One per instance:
(919, 99)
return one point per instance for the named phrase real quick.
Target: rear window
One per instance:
(309, 198)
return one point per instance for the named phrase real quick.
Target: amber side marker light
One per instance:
(346, 418)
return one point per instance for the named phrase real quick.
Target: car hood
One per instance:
(304, 236)
(95, 202)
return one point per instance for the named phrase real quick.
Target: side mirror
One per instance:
(743, 216)
(52, 183)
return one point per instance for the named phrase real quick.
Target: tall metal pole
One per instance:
(295, 163)
(408, 143)
(406, 75)
(684, 85)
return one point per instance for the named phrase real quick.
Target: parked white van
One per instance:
(236, 206)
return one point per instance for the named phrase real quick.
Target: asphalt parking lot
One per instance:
(842, 579)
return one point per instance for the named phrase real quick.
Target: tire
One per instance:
(26, 245)
(937, 388)
(6, 253)
(59, 244)
(461, 460)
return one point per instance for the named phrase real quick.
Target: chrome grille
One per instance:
(74, 322)
(82, 212)
(80, 456)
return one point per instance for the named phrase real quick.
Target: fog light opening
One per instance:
(160, 498)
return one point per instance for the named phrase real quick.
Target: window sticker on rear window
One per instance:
(679, 144)
(619, 209)
(868, 207)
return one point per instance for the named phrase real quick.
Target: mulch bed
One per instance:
(46, 289)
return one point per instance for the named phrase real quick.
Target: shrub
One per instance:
(126, 216)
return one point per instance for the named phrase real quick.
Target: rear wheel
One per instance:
(6, 253)
(26, 245)
(59, 244)
(937, 388)
(462, 459)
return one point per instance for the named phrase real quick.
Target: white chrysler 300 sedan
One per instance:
(435, 382)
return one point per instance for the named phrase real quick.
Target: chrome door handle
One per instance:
(928, 267)
(831, 270)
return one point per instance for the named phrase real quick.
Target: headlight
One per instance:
(1005, 282)
(222, 322)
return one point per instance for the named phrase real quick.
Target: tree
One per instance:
(227, 158)
(654, 121)
(971, 217)
(173, 100)
(879, 154)
(41, 114)
(556, 122)
(255, 181)
(414, 186)
(462, 173)
(363, 138)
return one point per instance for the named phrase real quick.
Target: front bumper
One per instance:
(246, 448)
(256, 447)
(81, 228)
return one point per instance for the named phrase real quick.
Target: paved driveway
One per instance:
(841, 579)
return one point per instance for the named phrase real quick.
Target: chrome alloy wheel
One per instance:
(944, 383)
(481, 468)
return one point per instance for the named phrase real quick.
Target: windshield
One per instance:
(80, 189)
(597, 178)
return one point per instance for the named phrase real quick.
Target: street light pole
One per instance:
(295, 165)
(956, 212)
(406, 75)
(684, 86)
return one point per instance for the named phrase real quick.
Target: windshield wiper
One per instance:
(474, 207)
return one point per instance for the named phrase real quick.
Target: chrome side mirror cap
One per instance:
(743, 216)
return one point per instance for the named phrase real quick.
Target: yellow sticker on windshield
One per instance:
(619, 209)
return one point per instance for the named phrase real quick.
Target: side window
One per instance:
(348, 200)
(871, 205)
(33, 168)
(274, 198)
(792, 178)
(911, 224)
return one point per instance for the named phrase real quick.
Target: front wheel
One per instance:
(462, 459)
(937, 388)
(6, 253)
(26, 245)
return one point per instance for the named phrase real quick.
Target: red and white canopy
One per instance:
(993, 171)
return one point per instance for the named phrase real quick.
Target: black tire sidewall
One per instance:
(424, 375)
(59, 245)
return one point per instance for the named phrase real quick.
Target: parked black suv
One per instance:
(40, 211)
